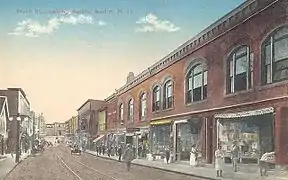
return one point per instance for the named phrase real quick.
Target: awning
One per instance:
(245, 114)
(98, 138)
(160, 122)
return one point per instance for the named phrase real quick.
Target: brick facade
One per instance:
(248, 27)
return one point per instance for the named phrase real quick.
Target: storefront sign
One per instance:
(160, 122)
(181, 121)
(245, 114)
(132, 129)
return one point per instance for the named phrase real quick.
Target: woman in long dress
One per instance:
(193, 156)
(219, 161)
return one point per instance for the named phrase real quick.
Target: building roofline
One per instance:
(188, 45)
(22, 92)
(88, 100)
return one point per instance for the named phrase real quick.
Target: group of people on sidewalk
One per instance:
(128, 155)
(264, 163)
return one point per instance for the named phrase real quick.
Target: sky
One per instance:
(62, 52)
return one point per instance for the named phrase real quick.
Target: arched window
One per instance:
(121, 112)
(168, 95)
(275, 57)
(156, 99)
(142, 108)
(196, 84)
(130, 110)
(239, 70)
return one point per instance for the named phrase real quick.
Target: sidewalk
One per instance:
(207, 172)
(7, 164)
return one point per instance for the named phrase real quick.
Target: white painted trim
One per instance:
(6, 102)
(220, 108)
(245, 113)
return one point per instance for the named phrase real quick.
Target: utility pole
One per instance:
(17, 158)
(33, 135)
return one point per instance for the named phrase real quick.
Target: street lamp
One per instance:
(17, 119)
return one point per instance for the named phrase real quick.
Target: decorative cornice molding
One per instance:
(223, 24)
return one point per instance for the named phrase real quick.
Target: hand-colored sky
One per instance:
(64, 52)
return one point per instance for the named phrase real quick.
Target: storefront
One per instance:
(251, 131)
(138, 138)
(161, 137)
(188, 133)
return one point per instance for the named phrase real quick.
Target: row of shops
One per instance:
(253, 131)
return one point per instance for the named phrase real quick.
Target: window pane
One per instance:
(197, 69)
(143, 108)
(198, 81)
(205, 92)
(205, 77)
(281, 49)
(169, 91)
(281, 75)
(268, 75)
(280, 69)
(241, 52)
(231, 70)
(157, 96)
(281, 65)
(267, 54)
(241, 64)
(281, 32)
(189, 96)
(190, 83)
(240, 82)
(197, 94)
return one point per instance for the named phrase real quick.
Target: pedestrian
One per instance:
(193, 156)
(109, 151)
(119, 151)
(235, 156)
(128, 156)
(264, 162)
(103, 149)
(219, 161)
(167, 153)
(97, 150)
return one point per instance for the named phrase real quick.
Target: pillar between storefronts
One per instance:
(281, 140)
(214, 138)
(209, 140)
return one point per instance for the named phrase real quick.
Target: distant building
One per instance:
(50, 130)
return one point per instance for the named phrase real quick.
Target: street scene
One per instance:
(55, 162)
(103, 90)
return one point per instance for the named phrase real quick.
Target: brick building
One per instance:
(226, 85)
(88, 120)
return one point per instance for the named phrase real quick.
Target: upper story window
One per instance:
(156, 98)
(130, 109)
(168, 95)
(196, 84)
(239, 70)
(275, 57)
(121, 112)
(142, 108)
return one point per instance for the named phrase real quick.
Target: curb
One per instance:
(14, 168)
(162, 169)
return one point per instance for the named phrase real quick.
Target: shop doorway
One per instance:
(254, 136)
(188, 135)
(129, 140)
